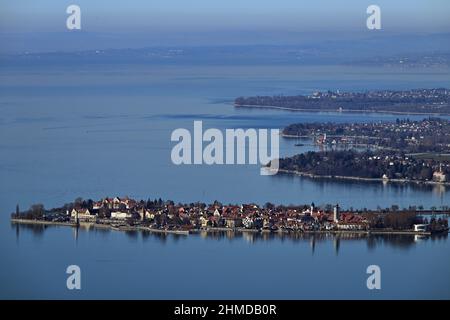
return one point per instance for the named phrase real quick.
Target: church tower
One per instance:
(336, 213)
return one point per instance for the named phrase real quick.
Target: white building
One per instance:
(82, 215)
(147, 214)
(420, 227)
(439, 176)
(351, 226)
(120, 215)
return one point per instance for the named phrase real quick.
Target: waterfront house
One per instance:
(128, 203)
(233, 222)
(110, 203)
(143, 213)
(83, 215)
(204, 222)
(439, 176)
(97, 205)
(352, 226)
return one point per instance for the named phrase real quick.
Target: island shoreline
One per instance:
(329, 177)
(342, 111)
(219, 229)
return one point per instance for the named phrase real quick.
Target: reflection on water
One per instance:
(312, 239)
(337, 240)
(106, 254)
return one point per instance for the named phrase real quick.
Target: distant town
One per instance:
(430, 135)
(401, 151)
(415, 101)
(411, 60)
(167, 217)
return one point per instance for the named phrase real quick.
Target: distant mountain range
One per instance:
(410, 51)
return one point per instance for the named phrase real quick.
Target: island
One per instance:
(416, 101)
(168, 217)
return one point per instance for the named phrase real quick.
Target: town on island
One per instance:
(167, 217)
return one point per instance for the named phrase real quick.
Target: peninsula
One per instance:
(415, 101)
(400, 151)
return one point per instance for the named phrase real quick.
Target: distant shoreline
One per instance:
(220, 229)
(315, 176)
(342, 111)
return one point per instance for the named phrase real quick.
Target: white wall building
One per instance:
(420, 227)
(120, 215)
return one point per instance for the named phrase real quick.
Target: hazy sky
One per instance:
(198, 15)
(38, 25)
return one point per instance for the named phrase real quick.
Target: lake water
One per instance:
(96, 131)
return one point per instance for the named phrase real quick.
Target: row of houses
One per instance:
(249, 216)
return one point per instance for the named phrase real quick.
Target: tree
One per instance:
(78, 202)
(269, 205)
(37, 211)
(426, 174)
(90, 204)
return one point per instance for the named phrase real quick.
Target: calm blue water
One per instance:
(95, 131)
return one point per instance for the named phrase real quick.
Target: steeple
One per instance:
(336, 213)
